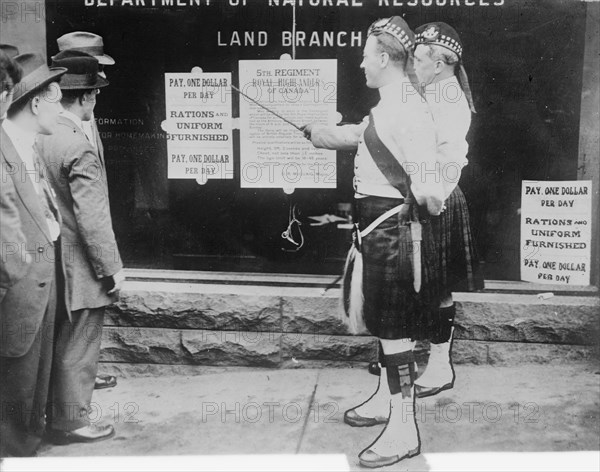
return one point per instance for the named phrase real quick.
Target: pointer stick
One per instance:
(268, 109)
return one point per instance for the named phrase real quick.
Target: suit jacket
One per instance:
(88, 244)
(13, 265)
(25, 302)
(99, 143)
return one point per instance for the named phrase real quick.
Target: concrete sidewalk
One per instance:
(530, 408)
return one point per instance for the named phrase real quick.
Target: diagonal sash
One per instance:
(386, 162)
(397, 177)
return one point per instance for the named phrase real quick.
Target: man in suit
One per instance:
(27, 310)
(92, 262)
(13, 265)
(93, 45)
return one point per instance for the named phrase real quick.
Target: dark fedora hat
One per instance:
(36, 75)
(82, 70)
(85, 42)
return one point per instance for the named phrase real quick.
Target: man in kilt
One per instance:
(444, 83)
(397, 187)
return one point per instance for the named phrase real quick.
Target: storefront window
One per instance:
(525, 64)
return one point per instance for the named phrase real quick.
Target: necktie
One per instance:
(88, 129)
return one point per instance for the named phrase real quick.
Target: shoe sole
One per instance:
(66, 440)
(364, 422)
(389, 460)
(102, 386)
(429, 392)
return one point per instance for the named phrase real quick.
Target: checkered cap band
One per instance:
(439, 34)
(442, 40)
(388, 26)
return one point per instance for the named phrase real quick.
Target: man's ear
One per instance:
(34, 105)
(439, 67)
(385, 59)
(86, 96)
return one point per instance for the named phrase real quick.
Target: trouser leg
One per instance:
(24, 389)
(75, 366)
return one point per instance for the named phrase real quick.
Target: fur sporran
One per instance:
(352, 291)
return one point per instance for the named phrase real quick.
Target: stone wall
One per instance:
(204, 324)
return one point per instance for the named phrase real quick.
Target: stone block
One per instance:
(192, 347)
(525, 318)
(510, 354)
(328, 347)
(258, 349)
(199, 307)
(142, 345)
(314, 315)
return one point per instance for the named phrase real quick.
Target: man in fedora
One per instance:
(93, 265)
(396, 188)
(93, 45)
(13, 266)
(27, 310)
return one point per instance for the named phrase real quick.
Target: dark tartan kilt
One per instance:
(392, 308)
(460, 269)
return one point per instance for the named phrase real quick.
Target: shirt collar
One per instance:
(73, 117)
(396, 89)
(451, 81)
(21, 138)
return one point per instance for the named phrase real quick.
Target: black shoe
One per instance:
(375, 369)
(424, 392)
(87, 434)
(105, 381)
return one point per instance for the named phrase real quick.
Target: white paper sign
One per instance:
(556, 220)
(274, 154)
(199, 125)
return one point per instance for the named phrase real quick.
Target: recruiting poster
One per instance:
(274, 153)
(556, 231)
(198, 124)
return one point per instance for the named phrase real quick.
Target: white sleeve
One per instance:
(416, 137)
(339, 138)
(452, 125)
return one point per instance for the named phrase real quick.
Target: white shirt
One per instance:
(452, 117)
(24, 142)
(404, 124)
(89, 131)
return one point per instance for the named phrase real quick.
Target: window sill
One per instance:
(324, 281)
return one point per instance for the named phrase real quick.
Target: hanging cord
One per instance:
(288, 233)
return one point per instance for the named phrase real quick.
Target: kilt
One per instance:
(392, 308)
(460, 270)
